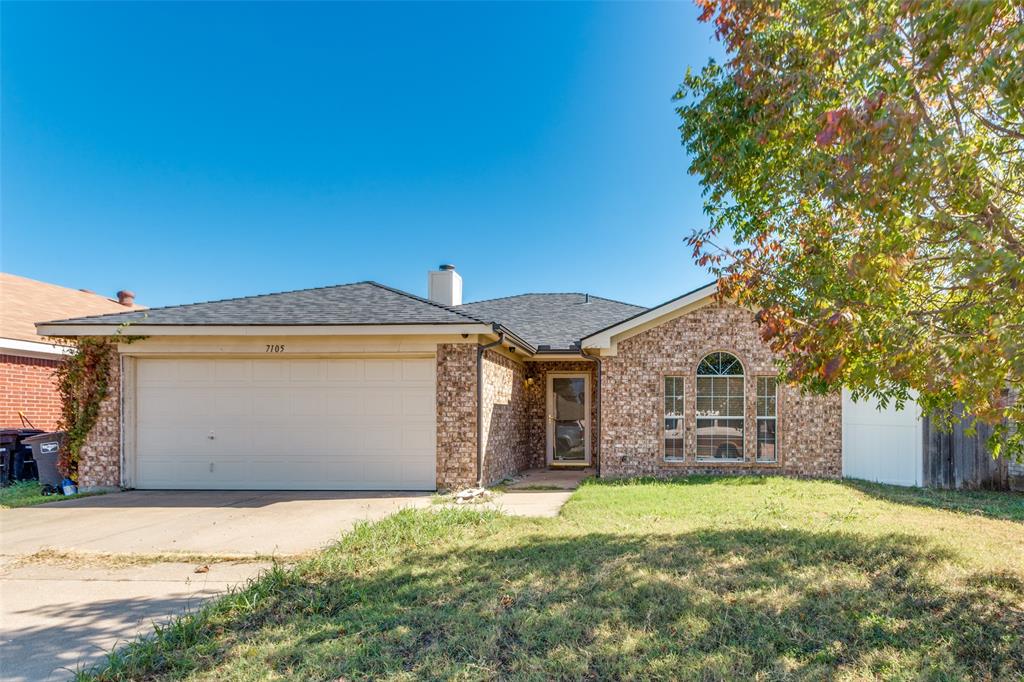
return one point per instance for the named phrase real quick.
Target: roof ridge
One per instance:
(555, 293)
(414, 297)
(227, 300)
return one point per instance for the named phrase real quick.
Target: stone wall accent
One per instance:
(100, 465)
(504, 417)
(809, 427)
(456, 416)
(537, 410)
(29, 386)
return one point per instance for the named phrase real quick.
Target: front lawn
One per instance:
(739, 578)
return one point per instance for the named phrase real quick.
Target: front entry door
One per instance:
(568, 419)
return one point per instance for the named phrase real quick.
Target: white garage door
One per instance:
(265, 424)
(882, 445)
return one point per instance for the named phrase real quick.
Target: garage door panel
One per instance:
(419, 402)
(274, 371)
(306, 371)
(380, 402)
(381, 438)
(382, 370)
(414, 370)
(342, 402)
(417, 439)
(415, 469)
(228, 402)
(195, 371)
(285, 424)
(157, 373)
(307, 402)
(269, 402)
(232, 371)
(345, 370)
(167, 440)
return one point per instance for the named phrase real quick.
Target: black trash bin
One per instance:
(17, 462)
(46, 451)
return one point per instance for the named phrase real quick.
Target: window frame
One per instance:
(742, 418)
(758, 418)
(682, 378)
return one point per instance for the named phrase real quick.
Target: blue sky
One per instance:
(200, 151)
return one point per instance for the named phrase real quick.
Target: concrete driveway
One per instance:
(81, 576)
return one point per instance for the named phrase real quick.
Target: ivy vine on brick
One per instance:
(83, 381)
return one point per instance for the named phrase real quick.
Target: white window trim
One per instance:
(742, 418)
(666, 415)
(775, 418)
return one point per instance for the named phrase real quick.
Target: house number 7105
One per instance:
(275, 347)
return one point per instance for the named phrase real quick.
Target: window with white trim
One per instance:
(767, 419)
(720, 408)
(674, 419)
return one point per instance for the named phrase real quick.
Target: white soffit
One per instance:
(33, 349)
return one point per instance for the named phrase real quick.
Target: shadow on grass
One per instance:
(711, 604)
(990, 503)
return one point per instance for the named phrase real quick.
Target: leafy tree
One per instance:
(866, 158)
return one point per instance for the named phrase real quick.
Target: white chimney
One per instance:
(444, 286)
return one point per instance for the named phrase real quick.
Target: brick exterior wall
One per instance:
(809, 426)
(505, 417)
(514, 414)
(29, 385)
(537, 408)
(100, 465)
(456, 416)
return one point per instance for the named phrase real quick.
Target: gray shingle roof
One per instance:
(558, 321)
(360, 303)
(555, 320)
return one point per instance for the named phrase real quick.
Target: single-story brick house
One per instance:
(28, 360)
(362, 386)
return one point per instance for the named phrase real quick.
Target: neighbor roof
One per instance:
(25, 301)
(558, 321)
(362, 303)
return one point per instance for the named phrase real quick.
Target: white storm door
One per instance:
(568, 419)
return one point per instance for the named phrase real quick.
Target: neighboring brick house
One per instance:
(28, 360)
(362, 386)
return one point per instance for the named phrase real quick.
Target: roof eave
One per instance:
(603, 339)
(69, 329)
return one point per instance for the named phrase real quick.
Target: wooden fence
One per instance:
(958, 459)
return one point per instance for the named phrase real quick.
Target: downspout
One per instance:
(480, 406)
(597, 359)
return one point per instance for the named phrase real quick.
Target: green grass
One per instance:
(703, 578)
(27, 494)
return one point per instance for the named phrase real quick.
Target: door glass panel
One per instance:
(570, 400)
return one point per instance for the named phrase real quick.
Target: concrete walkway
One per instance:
(56, 619)
(535, 492)
(242, 523)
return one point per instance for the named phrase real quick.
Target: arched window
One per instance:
(720, 408)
